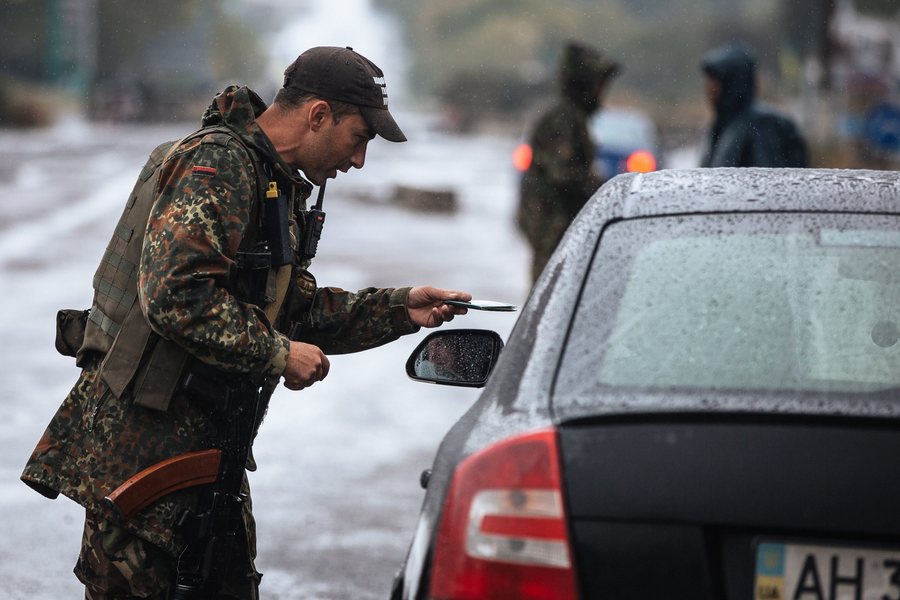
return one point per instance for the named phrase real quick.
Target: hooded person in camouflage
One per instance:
(561, 176)
(167, 302)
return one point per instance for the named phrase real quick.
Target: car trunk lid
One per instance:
(676, 506)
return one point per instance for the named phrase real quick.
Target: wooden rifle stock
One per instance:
(177, 473)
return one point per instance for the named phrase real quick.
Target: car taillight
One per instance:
(503, 529)
(640, 161)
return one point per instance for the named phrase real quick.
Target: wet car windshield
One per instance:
(793, 302)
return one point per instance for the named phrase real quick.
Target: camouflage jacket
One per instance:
(559, 180)
(206, 211)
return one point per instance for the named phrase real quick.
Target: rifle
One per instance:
(212, 530)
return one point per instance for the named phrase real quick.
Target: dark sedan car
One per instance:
(700, 399)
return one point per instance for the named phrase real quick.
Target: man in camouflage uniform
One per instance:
(561, 176)
(169, 301)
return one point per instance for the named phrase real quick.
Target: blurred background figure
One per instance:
(743, 133)
(561, 175)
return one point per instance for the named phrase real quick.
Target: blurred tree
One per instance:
(888, 8)
(126, 29)
(516, 43)
(128, 55)
(22, 27)
(209, 40)
(518, 37)
(805, 29)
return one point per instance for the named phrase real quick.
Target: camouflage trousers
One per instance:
(116, 564)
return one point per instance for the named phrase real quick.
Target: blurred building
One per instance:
(864, 75)
(123, 60)
(71, 43)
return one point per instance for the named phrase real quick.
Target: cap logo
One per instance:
(380, 82)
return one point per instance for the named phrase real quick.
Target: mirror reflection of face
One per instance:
(456, 358)
(442, 352)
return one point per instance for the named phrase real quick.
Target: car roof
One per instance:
(680, 191)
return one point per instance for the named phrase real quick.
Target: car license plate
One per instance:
(813, 572)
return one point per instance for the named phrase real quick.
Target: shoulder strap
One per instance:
(281, 275)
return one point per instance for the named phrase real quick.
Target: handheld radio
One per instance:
(312, 228)
(277, 227)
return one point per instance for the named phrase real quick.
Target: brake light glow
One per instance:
(503, 529)
(522, 157)
(640, 161)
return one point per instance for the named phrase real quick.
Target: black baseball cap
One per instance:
(345, 75)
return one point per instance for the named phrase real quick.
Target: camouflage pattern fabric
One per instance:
(205, 212)
(207, 192)
(561, 176)
(340, 322)
(114, 563)
(96, 441)
(559, 181)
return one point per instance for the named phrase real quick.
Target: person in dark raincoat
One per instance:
(561, 176)
(745, 134)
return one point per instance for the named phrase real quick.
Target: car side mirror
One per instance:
(460, 357)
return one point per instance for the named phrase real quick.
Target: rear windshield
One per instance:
(787, 301)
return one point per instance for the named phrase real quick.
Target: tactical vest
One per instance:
(136, 361)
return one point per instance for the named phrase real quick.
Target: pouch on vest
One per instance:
(250, 276)
(123, 360)
(70, 325)
(155, 384)
(140, 357)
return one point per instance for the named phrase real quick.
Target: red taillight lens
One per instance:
(503, 530)
(522, 157)
(640, 161)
